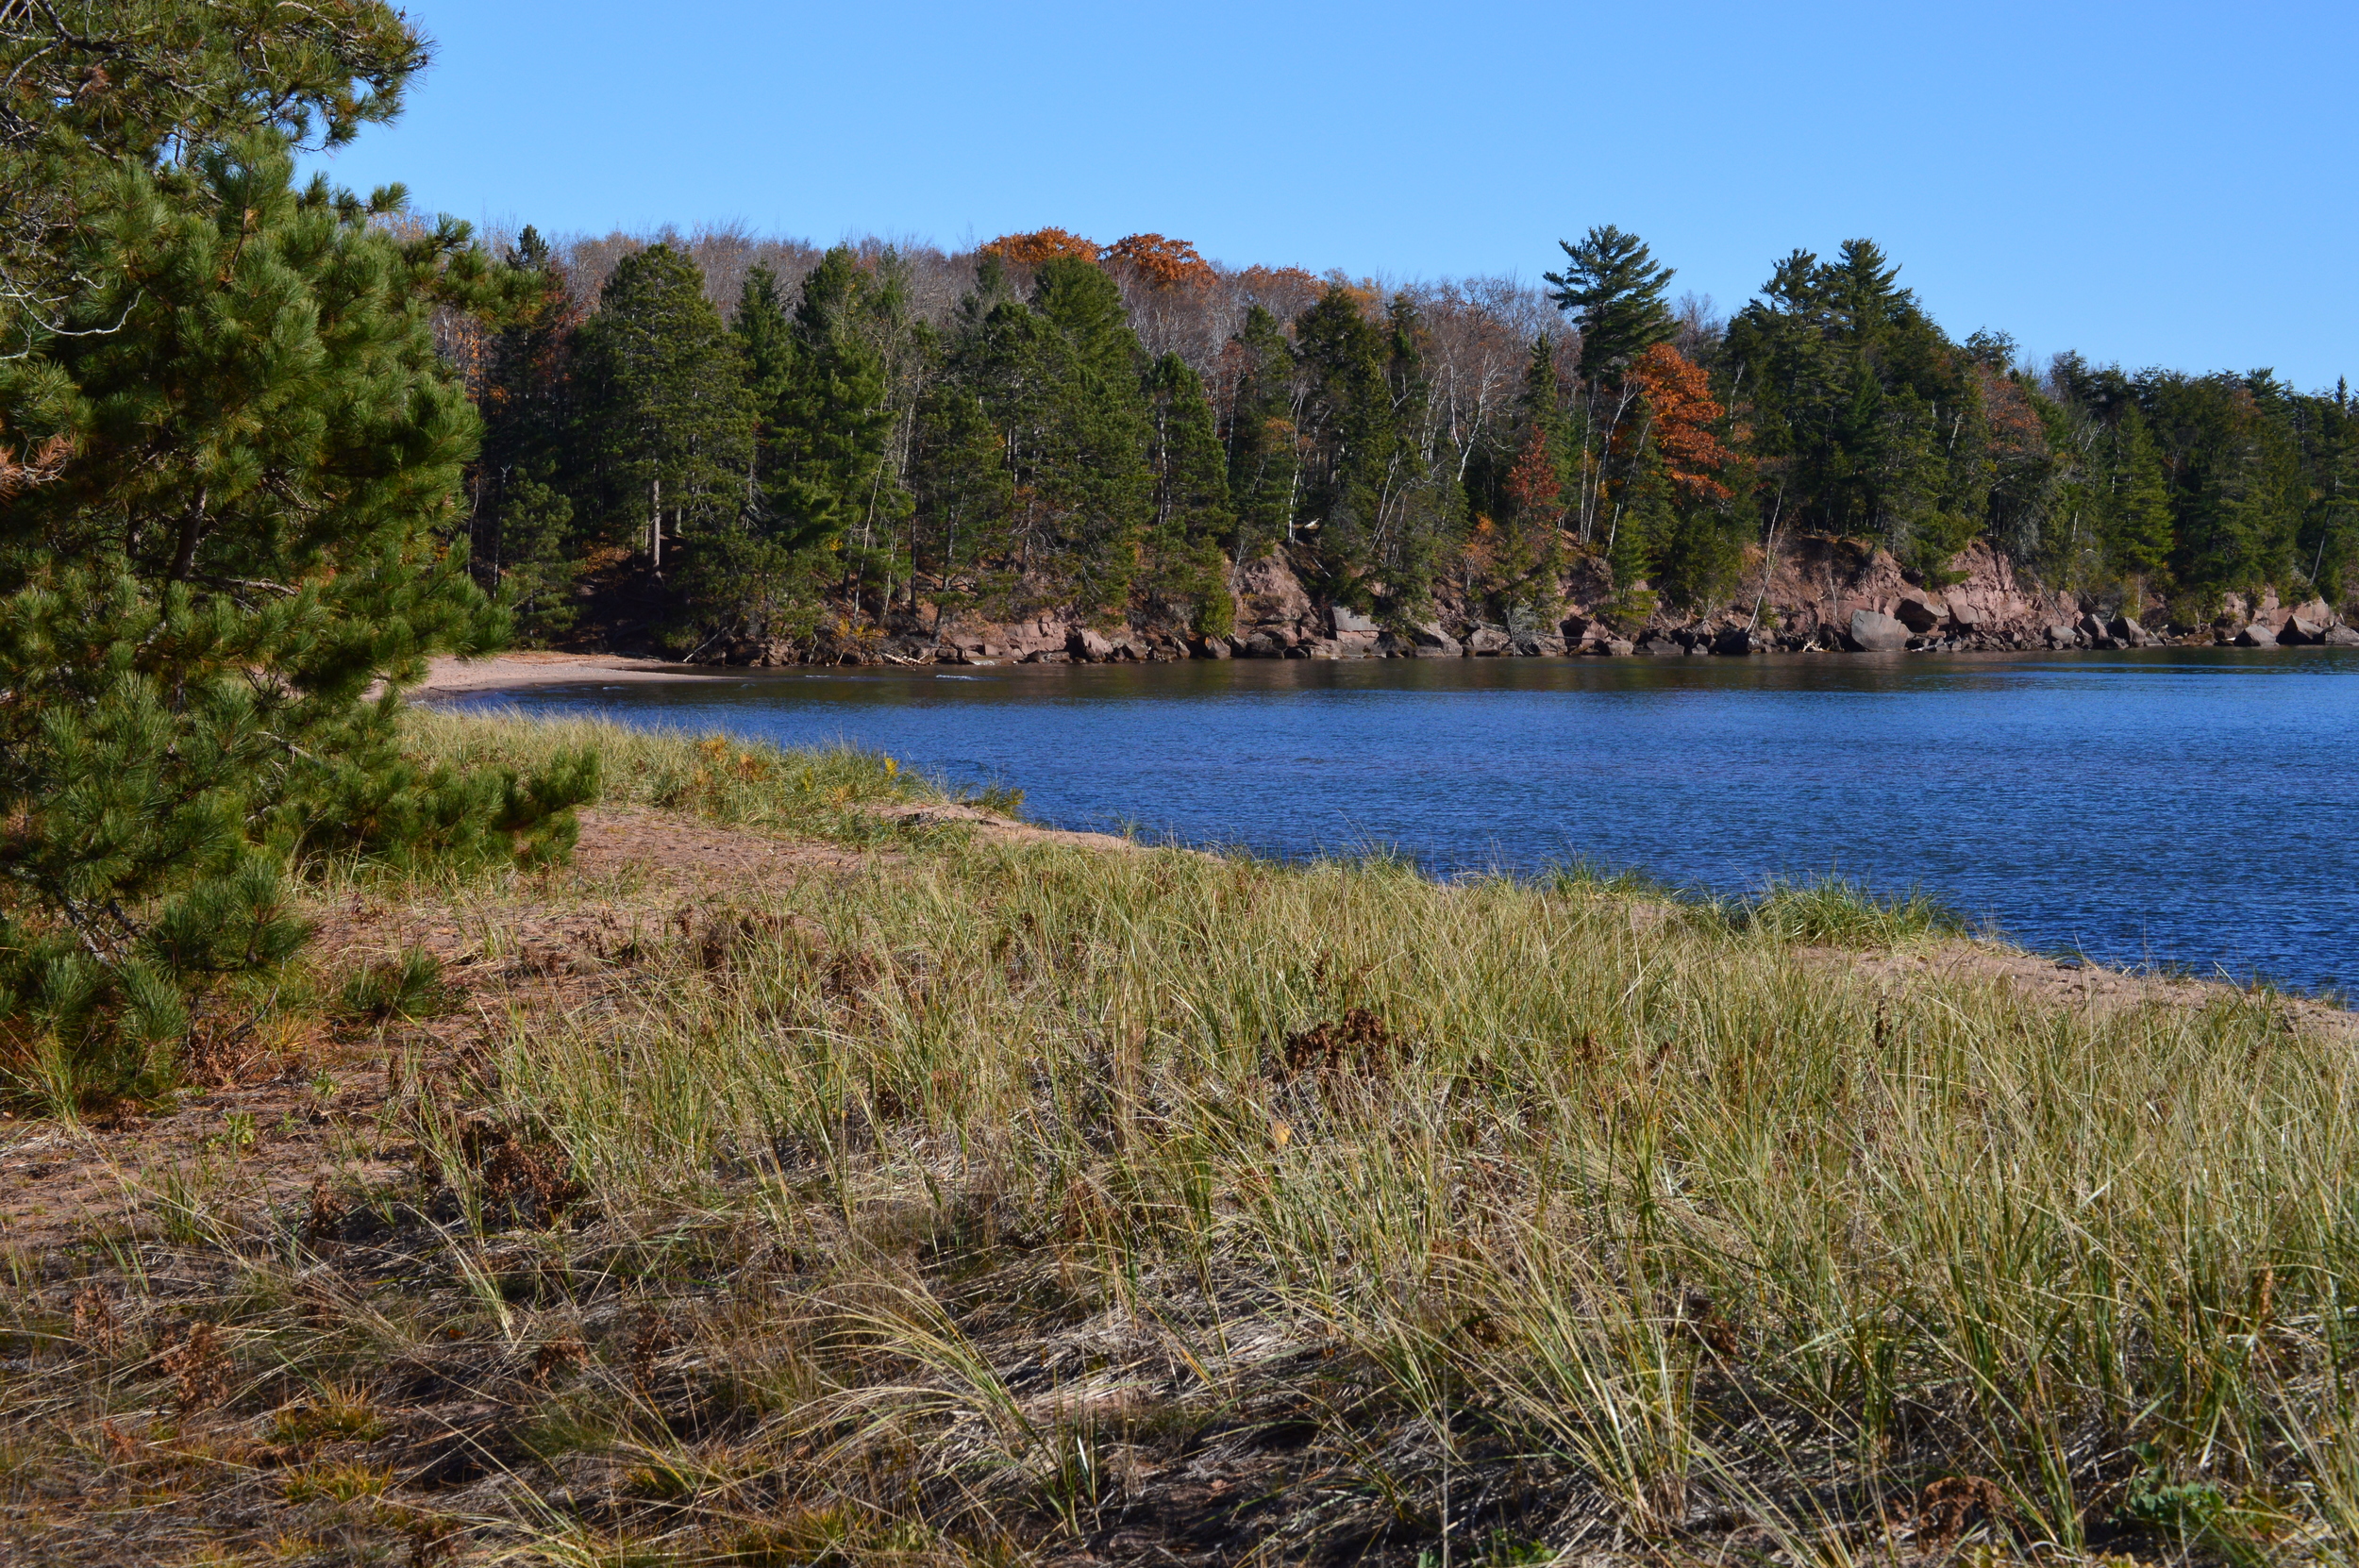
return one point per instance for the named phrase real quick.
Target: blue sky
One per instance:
(2156, 183)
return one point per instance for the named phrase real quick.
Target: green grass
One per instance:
(825, 793)
(1834, 912)
(968, 1208)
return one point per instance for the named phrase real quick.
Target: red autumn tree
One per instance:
(1533, 482)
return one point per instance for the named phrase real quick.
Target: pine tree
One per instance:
(829, 478)
(1613, 289)
(94, 89)
(1378, 505)
(1192, 518)
(964, 495)
(765, 336)
(1862, 292)
(1060, 381)
(522, 539)
(2137, 522)
(1262, 463)
(1348, 415)
(666, 419)
(265, 446)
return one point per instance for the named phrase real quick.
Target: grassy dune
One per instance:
(1011, 1204)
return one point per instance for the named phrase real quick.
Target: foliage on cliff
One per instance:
(1025, 428)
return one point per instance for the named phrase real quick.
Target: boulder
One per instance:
(2093, 629)
(2127, 632)
(1964, 615)
(1573, 628)
(1614, 647)
(2300, 632)
(1916, 615)
(1268, 592)
(1874, 633)
(1347, 622)
(2061, 637)
(2256, 636)
(2340, 637)
(1488, 642)
(1318, 648)
(1261, 645)
(1047, 655)
(1736, 642)
(1432, 642)
(1088, 647)
(1540, 644)
(1658, 644)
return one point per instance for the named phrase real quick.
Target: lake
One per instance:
(2183, 806)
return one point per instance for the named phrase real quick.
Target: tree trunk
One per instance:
(655, 523)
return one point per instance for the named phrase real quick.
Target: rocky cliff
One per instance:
(1829, 595)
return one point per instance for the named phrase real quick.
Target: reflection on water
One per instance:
(2189, 805)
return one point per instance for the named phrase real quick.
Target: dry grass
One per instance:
(1022, 1203)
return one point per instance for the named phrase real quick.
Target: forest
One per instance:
(779, 439)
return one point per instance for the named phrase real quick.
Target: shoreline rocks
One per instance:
(1816, 597)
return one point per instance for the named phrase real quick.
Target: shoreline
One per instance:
(449, 675)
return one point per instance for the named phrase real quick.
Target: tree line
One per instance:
(872, 435)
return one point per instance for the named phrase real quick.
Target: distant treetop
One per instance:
(1165, 263)
(1030, 250)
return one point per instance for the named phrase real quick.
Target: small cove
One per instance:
(2185, 807)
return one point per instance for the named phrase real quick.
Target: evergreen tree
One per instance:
(666, 419)
(1192, 516)
(1613, 289)
(265, 441)
(1060, 379)
(829, 423)
(964, 495)
(94, 89)
(765, 336)
(2137, 517)
(1353, 445)
(523, 538)
(1263, 470)
(1379, 506)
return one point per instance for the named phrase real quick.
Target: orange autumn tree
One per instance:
(1164, 263)
(1681, 415)
(1031, 249)
(1673, 525)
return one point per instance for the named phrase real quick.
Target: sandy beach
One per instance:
(448, 676)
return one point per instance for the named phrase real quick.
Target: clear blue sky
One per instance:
(2157, 183)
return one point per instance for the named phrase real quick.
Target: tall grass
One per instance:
(1652, 1201)
(825, 792)
(973, 1206)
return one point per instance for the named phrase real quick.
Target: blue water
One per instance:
(2188, 807)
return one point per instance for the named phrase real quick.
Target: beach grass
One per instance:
(1014, 1203)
